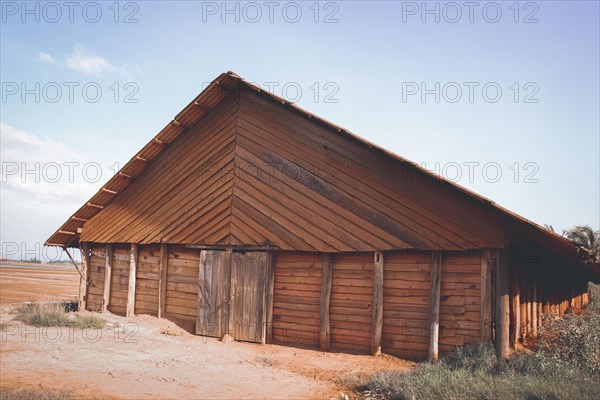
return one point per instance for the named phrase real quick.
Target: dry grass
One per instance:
(34, 394)
(47, 314)
(565, 366)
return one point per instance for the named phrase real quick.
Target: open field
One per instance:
(131, 358)
(31, 282)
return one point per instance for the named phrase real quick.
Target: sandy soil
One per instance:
(18, 284)
(149, 358)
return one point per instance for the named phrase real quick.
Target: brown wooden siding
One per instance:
(95, 288)
(460, 299)
(296, 298)
(351, 305)
(147, 278)
(184, 196)
(119, 282)
(406, 290)
(182, 285)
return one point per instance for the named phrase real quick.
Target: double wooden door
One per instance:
(231, 295)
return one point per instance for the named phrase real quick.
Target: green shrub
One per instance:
(54, 314)
(566, 365)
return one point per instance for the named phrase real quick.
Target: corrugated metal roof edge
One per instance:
(567, 248)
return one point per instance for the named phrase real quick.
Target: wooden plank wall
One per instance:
(538, 291)
(146, 285)
(119, 280)
(460, 300)
(351, 304)
(406, 287)
(95, 276)
(183, 266)
(544, 290)
(296, 298)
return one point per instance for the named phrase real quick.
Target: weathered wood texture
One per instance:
(163, 261)
(460, 299)
(351, 304)
(131, 292)
(119, 280)
(147, 282)
(434, 305)
(214, 293)
(406, 283)
(296, 302)
(377, 322)
(108, 263)
(183, 196)
(249, 317)
(83, 282)
(297, 184)
(502, 329)
(182, 285)
(325, 323)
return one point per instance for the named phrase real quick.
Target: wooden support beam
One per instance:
(486, 296)
(124, 175)
(162, 284)
(67, 232)
(324, 323)
(434, 304)
(107, 276)
(85, 265)
(141, 158)
(133, 256)
(515, 308)
(377, 323)
(95, 205)
(79, 219)
(270, 292)
(534, 303)
(105, 190)
(502, 327)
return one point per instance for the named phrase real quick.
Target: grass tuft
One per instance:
(54, 314)
(34, 394)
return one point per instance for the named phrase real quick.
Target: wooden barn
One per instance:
(250, 217)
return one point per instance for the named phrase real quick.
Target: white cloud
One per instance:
(86, 62)
(45, 57)
(42, 171)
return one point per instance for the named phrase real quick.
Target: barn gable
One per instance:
(241, 166)
(251, 172)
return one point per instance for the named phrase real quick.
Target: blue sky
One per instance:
(527, 75)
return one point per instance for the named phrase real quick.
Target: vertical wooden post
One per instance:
(108, 253)
(515, 309)
(269, 296)
(434, 304)
(324, 323)
(486, 296)
(502, 307)
(534, 304)
(377, 322)
(133, 255)
(232, 328)
(162, 283)
(85, 267)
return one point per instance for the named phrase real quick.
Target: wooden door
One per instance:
(248, 283)
(213, 293)
(231, 295)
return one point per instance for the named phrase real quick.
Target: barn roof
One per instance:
(220, 89)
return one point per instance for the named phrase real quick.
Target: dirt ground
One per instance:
(149, 358)
(19, 284)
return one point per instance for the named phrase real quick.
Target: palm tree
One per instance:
(585, 237)
(549, 227)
